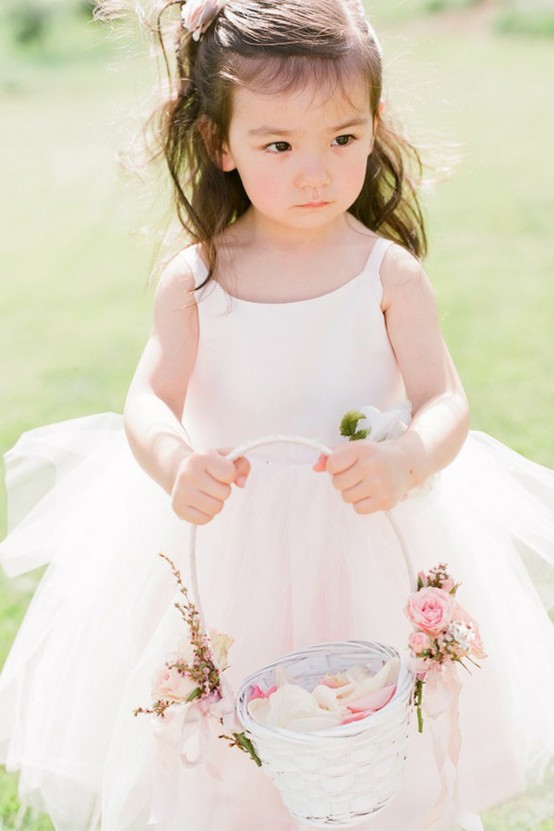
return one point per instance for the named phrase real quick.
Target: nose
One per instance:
(312, 172)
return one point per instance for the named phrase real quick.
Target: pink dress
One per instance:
(287, 564)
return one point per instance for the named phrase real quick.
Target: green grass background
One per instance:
(75, 258)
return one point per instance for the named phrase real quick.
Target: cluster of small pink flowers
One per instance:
(192, 674)
(444, 632)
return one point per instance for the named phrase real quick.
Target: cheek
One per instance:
(354, 175)
(262, 184)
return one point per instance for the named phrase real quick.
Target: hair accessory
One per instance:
(197, 15)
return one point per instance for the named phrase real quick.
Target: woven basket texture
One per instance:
(334, 778)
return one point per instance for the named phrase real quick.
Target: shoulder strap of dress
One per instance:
(193, 259)
(378, 251)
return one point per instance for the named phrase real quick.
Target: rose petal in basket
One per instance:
(341, 776)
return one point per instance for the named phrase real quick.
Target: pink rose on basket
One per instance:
(430, 609)
(444, 633)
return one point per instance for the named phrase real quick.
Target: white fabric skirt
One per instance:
(285, 565)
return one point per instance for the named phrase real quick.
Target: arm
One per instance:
(374, 476)
(198, 483)
(440, 410)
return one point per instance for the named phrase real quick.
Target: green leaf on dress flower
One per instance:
(349, 426)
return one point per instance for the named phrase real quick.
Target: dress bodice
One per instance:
(292, 368)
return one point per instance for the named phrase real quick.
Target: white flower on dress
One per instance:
(386, 425)
(371, 423)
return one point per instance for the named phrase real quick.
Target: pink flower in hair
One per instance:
(197, 15)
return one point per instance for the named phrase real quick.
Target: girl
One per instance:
(303, 297)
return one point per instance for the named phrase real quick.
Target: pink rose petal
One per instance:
(372, 701)
(356, 717)
(257, 692)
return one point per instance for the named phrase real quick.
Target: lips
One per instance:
(319, 204)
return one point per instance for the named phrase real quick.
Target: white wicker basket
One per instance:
(331, 778)
(339, 777)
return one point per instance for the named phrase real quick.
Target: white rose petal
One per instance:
(330, 698)
(294, 708)
(387, 675)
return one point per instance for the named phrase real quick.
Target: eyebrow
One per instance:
(280, 131)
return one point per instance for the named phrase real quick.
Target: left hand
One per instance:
(371, 476)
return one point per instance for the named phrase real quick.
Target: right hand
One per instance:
(203, 483)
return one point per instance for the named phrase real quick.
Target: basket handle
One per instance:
(266, 441)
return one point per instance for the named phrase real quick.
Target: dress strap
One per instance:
(194, 261)
(378, 251)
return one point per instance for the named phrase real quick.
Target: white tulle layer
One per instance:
(285, 565)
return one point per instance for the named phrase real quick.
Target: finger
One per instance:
(373, 504)
(368, 505)
(205, 483)
(348, 478)
(220, 468)
(360, 491)
(190, 514)
(321, 463)
(207, 504)
(196, 500)
(218, 490)
(242, 470)
(196, 517)
(343, 458)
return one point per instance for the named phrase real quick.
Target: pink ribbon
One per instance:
(441, 700)
(173, 734)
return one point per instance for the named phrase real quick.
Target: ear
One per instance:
(376, 122)
(218, 152)
(225, 159)
(378, 116)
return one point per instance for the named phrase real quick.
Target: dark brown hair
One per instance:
(275, 46)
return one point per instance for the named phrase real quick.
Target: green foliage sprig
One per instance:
(349, 426)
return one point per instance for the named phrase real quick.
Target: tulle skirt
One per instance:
(286, 564)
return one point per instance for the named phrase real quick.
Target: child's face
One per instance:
(301, 155)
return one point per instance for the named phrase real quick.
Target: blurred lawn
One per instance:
(74, 300)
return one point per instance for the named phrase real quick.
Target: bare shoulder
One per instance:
(403, 277)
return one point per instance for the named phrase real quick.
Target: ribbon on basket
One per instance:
(184, 737)
(442, 704)
(441, 701)
(172, 736)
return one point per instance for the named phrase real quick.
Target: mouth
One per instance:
(318, 204)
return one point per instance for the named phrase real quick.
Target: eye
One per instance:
(343, 141)
(278, 147)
